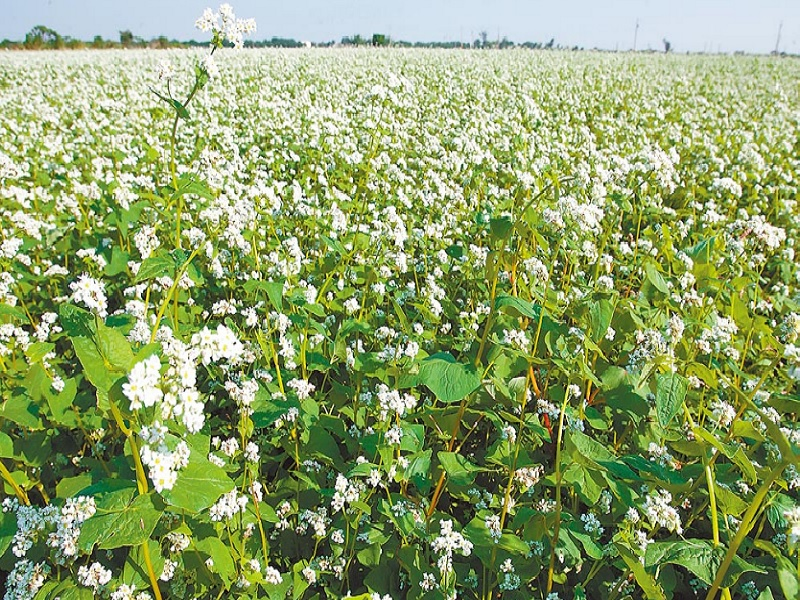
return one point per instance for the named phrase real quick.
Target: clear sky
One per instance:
(694, 25)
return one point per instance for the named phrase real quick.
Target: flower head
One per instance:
(224, 26)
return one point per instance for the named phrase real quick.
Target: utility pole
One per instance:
(778, 41)
(635, 34)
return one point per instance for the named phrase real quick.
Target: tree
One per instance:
(484, 36)
(667, 45)
(379, 39)
(41, 36)
(126, 38)
(506, 43)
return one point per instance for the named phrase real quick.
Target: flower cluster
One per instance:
(224, 25)
(162, 462)
(446, 543)
(59, 528)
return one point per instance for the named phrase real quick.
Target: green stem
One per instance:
(150, 572)
(23, 497)
(557, 527)
(745, 526)
(162, 309)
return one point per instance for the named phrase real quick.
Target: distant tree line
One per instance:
(45, 38)
(482, 42)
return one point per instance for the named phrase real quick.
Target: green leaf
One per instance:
(121, 520)
(8, 529)
(334, 245)
(702, 252)
(584, 449)
(787, 572)
(273, 290)
(38, 350)
(135, 570)
(587, 483)
(118, 263)
(218, 551)
(75, 321)
(448, 380)
(777, 509)
(600, 315)
(455, 251)
(300, 583)
(114, 348)
(61, 410)
(70, 486)
(729, 502)
(500, 227)
(650, 587)
(766, 594)
(698, 556)
(477, 532)
(22, 410)
(179, 108)
(198, 485)
(459, 470)
(189, 184)
(732, 451)
(671, 391)
(370, 556)
(97, 371)
(504, 302)
(6, 446)
(592, 549)
(15, 312)
(656, 278)
(418, 468)
(158, 265)
(34, 448)
(322, 445)
(64, 590)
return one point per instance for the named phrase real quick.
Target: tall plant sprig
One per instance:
(224, 27)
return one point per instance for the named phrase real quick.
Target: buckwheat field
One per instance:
(383, 324)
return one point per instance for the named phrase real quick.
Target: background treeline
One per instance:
(45, 38)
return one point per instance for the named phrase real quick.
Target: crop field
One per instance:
(386, 324)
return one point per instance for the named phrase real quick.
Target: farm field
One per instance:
(391, 324)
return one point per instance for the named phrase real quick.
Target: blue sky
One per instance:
(695, 25)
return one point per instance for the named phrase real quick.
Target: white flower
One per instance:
(91, 292)
(660, 513)
(793, 518)
(310, 575)
(302, 388)
(142, 388)
(209, 65)
(394, 435)
(25, 579)
(446, 543)
(94, 576)
(227, 506)
(225, 26)
(273, 576)
(208, 21)
(230, 447)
